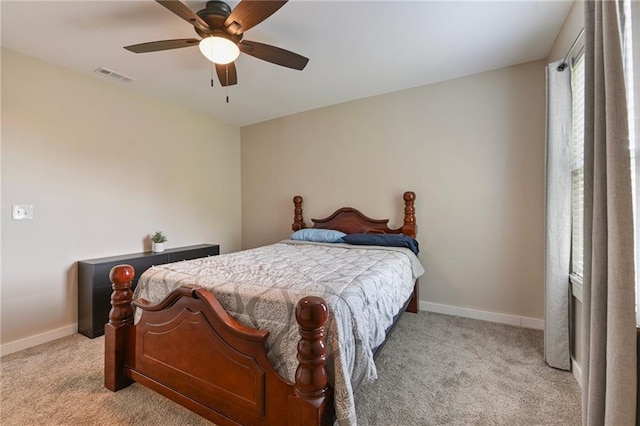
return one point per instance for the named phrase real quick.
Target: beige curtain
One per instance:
(609, 372)
(557, 253)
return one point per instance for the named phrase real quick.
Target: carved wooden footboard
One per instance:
(190, 350)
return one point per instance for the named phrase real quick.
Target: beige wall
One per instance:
(103, 168)
(473, 151)
(567, 35)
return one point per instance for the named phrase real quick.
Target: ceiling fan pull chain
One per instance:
(227, 72)
(212, 66)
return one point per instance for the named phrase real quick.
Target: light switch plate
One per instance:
(22, 212)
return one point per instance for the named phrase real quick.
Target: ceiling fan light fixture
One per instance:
(219, 50)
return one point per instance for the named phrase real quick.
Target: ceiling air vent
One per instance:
(115, 75)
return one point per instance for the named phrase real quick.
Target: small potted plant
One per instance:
(158, 239)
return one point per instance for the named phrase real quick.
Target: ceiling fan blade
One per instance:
(156, 46)
(231, 78)
(273, 54)
(249, 13)
(184, 12)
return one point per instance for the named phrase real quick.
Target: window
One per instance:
(577, 168)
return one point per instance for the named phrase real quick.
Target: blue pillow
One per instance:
(318, 235)
(388, 240)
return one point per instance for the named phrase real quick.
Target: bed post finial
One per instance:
(121, 277)
(115, 332)
(409, 227)
(298, 221)
(311, 375)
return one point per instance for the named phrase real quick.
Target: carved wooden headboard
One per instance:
(352, 221)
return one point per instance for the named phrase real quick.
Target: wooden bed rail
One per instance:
(229, 353)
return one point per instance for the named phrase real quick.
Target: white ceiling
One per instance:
(356, 48)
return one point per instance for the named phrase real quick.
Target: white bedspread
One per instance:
(363, 286)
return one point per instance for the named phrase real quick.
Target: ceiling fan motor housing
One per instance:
(215, 14)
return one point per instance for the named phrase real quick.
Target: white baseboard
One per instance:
(525, 322)
(576, 371)
(38, 339)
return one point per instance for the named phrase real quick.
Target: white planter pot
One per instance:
(157, 247)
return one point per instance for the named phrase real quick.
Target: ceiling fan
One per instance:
(221, 31)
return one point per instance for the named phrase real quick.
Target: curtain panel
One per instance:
(557, 217)
(609, 370)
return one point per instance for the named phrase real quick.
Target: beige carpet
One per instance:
(435, 370)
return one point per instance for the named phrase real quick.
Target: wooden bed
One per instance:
(190, 350)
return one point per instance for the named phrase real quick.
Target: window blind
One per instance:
(577, 167)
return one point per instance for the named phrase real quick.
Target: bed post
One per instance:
(409, 227)
(315, 404)
(298, 221)
(115, 332)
